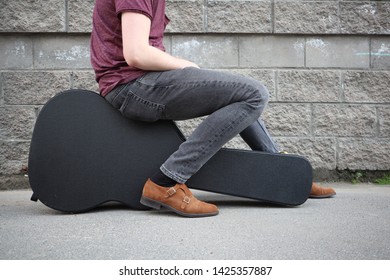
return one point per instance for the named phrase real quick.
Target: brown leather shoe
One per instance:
(320, 192)
(178, 198)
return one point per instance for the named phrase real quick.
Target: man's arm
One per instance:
(137, 51)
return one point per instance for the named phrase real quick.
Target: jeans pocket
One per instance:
(137, 108)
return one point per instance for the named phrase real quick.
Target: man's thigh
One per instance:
(192, 92)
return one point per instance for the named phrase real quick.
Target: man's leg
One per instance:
(258, 138)
(231, 103)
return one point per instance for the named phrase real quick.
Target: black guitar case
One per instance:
(84, 153)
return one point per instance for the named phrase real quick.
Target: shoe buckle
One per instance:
(171, 191)
(187, 199)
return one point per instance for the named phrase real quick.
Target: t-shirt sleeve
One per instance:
(137, 6)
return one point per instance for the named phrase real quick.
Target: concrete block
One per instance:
(288, 119)
(365, 17)
(380, 53)
(167, 41)
(239, 16)
(17, 122)
(366, 86)
(344, 52)
(321, 152)
(14, 182)
(185, 16)
(84, 80)
(384, 121)
(207, 51)
(80, 15)
(306, 17)
(16, 52)
(26, 88)
(364, 154)
(58, 52)
(13, 156)
(271, 51)
(32, 16)
(344, 120)
(309, 86)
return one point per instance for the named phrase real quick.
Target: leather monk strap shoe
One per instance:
(178, 198)
(321, 192)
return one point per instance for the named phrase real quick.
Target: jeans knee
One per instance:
(263, 93)
(259, 96)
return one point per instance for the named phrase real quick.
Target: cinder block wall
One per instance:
(326, 64)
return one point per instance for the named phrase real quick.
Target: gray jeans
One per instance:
(232, 104)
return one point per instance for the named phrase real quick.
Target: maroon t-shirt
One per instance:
(107, 57)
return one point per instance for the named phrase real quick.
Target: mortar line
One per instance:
(205, 16)
(378, 127)
(1, 89)
(66, 16)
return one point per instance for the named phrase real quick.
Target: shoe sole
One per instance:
(322, 196)
(157, 205)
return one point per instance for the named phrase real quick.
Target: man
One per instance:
(145, 83)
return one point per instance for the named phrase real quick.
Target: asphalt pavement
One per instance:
(353, 225)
